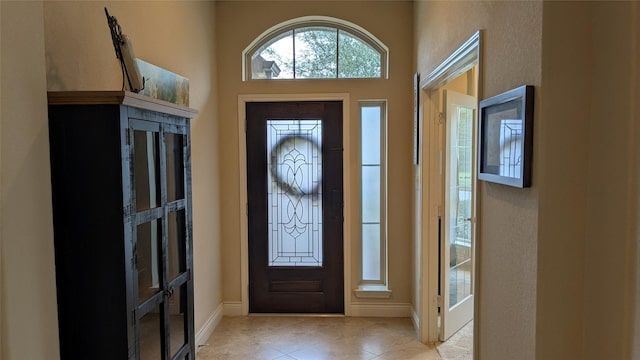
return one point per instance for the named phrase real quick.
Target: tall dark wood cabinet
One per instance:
(121, 181)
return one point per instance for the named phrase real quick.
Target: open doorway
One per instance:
(457, 215)
(449, 179)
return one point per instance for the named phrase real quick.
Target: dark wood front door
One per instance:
(295, 207)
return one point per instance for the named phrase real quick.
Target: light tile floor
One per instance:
(315, 338)
(459, 346)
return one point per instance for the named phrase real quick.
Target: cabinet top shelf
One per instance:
(118, 98)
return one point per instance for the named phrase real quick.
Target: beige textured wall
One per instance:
(239, 23)
(507, 217)
(610, 239)
(178, 36)
(564, 140)
(28, 304)
(635, 94)
(588, 234)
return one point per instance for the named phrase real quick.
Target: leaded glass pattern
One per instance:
(294, 178)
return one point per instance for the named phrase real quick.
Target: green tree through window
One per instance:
(357, 59)
(316, 52)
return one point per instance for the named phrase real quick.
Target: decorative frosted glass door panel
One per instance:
(294, 210)
(294, 170)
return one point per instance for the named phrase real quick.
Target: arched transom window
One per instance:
(315, 47)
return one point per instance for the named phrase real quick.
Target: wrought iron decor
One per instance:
(124, 53)
(505, 138)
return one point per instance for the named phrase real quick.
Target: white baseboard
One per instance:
(381, 310)
(232, 308)
(207, 329)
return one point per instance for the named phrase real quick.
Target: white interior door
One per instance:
(458, 215)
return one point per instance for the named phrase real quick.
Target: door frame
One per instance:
(242, 172)
(463, 58)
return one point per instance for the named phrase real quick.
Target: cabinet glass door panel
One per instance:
(176, 244)
(146, 169)
(159, 156)
(147, 254)
(150, 335)
(177, 320)
(174, 147)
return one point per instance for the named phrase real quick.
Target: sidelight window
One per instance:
(374, 194)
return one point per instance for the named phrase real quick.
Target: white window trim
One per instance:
(378, 289)
(305, 21)
(372, 292)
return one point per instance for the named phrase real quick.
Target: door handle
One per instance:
(169, 292)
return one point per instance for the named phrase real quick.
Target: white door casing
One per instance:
(465, 57)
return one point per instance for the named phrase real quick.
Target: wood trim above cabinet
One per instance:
(117, 97)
